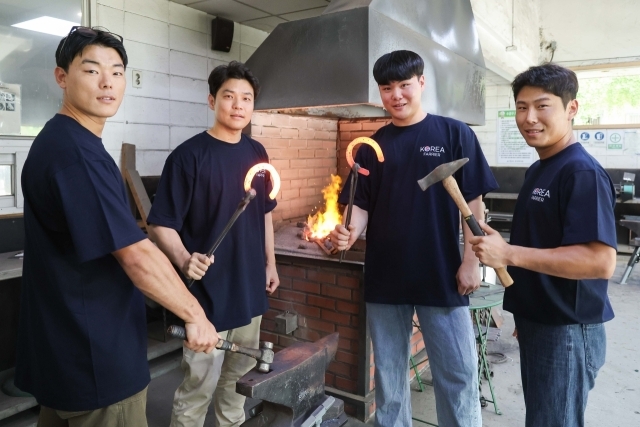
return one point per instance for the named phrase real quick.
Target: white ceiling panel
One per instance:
(265, 24)
(303, 14)
(229, 9)
(262, 14)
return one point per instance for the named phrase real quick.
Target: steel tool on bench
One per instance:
(357, 169)
(444, 173)
(264, 355)
(250, 193)
(294, 389)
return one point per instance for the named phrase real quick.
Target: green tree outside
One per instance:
(609, 100)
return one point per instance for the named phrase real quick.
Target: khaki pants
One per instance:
(219, 372)
(126, 413)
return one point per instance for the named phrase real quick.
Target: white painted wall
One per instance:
(170, 44)
(498, 97)
(494, 20)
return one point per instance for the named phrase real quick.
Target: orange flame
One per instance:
(321, 224)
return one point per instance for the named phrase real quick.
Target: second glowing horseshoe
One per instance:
(363, 140)
(355, 170)
(275, 178)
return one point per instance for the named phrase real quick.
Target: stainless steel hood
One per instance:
(323, 65)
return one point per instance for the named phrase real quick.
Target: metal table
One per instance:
(480, 304)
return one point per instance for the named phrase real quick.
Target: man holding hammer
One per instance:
(413, 261)
(562, 253)
(201, 184)
(82, 336)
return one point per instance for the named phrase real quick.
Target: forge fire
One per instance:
(322, 222)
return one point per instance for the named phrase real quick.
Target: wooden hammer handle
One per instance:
(452, 188)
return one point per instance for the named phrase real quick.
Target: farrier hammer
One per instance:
(264, 355)
(444, 173)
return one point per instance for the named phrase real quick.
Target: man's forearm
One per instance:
(593, 260)
(269, 245)
(169, 242)
(152, 273)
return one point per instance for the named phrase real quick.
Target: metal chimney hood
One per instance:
(323, 65)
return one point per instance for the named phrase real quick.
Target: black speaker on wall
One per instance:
(221, 34)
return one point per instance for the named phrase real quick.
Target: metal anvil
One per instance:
(294, 387)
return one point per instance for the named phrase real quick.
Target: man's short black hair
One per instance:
(76, 42)
(234, 70)
(397, 66)
(551, 78)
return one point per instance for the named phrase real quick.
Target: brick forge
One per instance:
(325, 295)
(327, 298)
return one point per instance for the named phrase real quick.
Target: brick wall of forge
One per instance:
(303, 151)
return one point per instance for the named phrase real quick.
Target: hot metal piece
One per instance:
(363, 140)
(275, 178)
(295, 386)
(444, 173)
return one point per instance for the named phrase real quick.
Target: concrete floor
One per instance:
(615, 400)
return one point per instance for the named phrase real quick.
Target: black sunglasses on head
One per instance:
(89, 32)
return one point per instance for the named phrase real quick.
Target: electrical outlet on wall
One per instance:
(136, 78)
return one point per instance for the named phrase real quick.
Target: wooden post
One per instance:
(136, 190)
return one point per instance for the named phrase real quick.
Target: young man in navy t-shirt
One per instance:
(82, 347)
(200, 188)
(413, 262)
(562, 253)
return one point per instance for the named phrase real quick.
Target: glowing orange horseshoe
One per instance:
(275, 178)
(363, 140)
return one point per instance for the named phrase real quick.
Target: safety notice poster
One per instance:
(10, 109)
(512, 148)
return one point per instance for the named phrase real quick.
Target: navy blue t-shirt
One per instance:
(412, 254)
(82, 331)
(201, 185)
(567, 199)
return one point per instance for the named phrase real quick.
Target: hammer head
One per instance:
(441, 172)
(266, 357)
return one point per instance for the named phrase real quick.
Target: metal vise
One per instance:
(294, 388)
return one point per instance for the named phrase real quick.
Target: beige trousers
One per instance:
(126, 413)
(217, 372)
